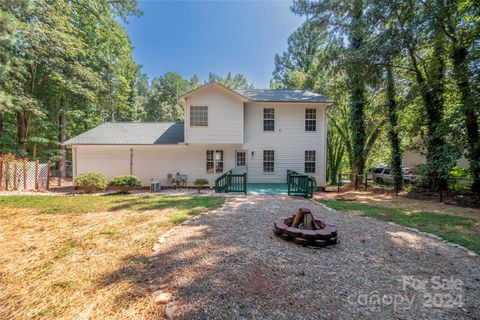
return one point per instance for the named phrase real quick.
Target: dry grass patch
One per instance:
(83, 257)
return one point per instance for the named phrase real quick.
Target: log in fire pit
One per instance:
(303, 229)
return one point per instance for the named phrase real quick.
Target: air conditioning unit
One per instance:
(155, 186)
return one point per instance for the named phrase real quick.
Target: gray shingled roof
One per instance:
(132, 133)
(265, 95)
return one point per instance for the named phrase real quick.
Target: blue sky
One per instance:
(198, 37)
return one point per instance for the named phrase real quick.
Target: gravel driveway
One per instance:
(228, 265)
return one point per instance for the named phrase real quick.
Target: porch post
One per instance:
(245, 183)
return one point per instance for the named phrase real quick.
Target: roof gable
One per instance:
(211, 85)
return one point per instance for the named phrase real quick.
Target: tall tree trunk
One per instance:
(357, 99)
(462, 75)
(62, 135)
(396, 154)
(21, 129)
(34, 145)
(432, 96)
(1, 132)
(436, 158)
(335, 151)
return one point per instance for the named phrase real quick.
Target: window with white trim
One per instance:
(310, 119)
(268, 161)
(310, 161)
(198, 116)
(268, 119)
(241, 158)
(214, 162)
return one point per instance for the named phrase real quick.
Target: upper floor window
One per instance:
(214, 161)
(309, 161)
(310, 119)
(198, 116)
(268, 160)
(268, 119)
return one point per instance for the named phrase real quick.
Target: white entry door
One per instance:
(241, 161)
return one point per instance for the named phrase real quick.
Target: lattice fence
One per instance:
(21, 174)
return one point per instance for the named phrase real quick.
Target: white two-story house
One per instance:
(260, 132)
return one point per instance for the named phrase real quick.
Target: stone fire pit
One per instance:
(303, 229)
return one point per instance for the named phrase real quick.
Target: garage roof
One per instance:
(132, 133)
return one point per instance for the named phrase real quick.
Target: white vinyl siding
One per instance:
(151, 161)
(225, 117)
(111, 161)
(289, 140)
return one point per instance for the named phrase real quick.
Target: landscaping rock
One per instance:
(170, 310)
(161, 297)
(431, 235)
(153, 259)
(156, 247)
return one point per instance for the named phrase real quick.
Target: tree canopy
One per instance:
(67, 66)
(399, 72)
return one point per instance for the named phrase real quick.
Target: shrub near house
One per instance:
(90, 182)
(125, 183)
(200, 183)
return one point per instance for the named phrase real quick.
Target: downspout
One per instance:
(325, 141)
(131, 161)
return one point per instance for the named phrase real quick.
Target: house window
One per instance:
(268, 119)
(268, 161)
(310, 119)
(198, 116)
(214, 161)
(241, 159)
(309, 161)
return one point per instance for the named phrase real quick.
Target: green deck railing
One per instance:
(300, 184)
(230, 182)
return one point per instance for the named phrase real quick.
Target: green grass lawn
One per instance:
(460, 230)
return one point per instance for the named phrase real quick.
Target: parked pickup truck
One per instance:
(384, 175)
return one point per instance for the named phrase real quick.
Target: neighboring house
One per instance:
(260, 132)
(415, 155)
